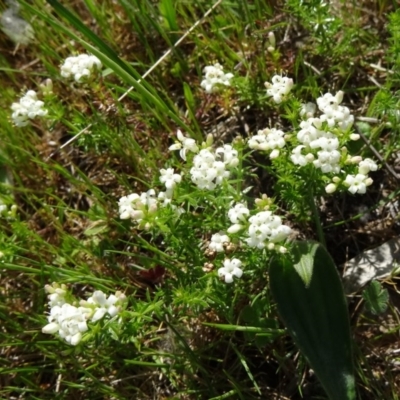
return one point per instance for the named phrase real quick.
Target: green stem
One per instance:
(317, 220)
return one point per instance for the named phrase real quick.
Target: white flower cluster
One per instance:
(321, 147)
(217, 242)
(268, 140)
(314, 139)
(70, 321)
(184, 145)
(265, 230)
(320, 141)
(318, 145)
(143, 208)
(102, 305)
(333, 113)
(279, 88)
(207, 172)
(28, 107)
(209, 166)
(262, 230)
(81, 66)
(215, 76)
(137, 207)
(238, 216)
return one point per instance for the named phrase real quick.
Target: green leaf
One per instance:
(239, 328)
(376, 298)
(168, 12)
(304, 253)
(316, 315)
(97, 227)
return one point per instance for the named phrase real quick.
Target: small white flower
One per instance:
(357, 183)
(69, 321)
(81, 66)
(169, 178)
(280, 88)
(230, 155)
(136, 207)
(354, 160)
(328, 161)
(238, 213)
(310, 131)
(217, 242)
(298, 158)
(367, 165)
(185, 144)
(333, 112)
(215, 76)
(308, 110)
(230, 269)
(29, 107)
(268, 139)
(104, 305)
(207, 173)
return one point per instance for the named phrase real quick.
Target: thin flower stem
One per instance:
(316, 218)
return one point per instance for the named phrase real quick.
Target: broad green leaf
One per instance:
(316, 315)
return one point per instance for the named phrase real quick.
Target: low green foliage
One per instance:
(186, 330)
(376, 298)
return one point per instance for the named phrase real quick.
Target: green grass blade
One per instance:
(107, 56)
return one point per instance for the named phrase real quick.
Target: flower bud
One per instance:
(339, 96)
(309, 157)
(47, 87)
(330, 188)
(274, 154)
(356, 159)
(272, 40)
(51, 328)
(368, 181)
(234, 228)
(354, 136)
